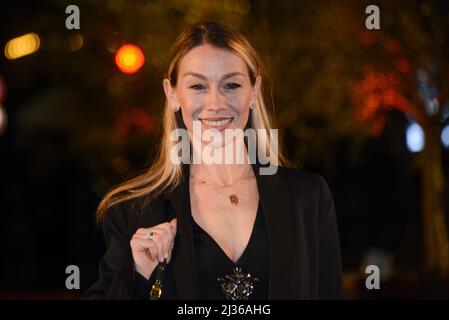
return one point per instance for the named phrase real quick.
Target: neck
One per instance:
(221, 174)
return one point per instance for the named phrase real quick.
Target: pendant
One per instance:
(234, 200)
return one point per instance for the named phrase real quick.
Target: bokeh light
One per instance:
(445, 136)
(22, 46)
(3, 120)
(76, 42)
(129, 58)
(415, 137)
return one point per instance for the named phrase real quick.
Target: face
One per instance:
(213, 88)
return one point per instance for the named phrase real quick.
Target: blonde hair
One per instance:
(163, 175)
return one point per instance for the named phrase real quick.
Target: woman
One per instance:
(211, 230)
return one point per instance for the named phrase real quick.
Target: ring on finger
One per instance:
(150, 235)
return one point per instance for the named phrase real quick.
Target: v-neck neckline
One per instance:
(237, 263)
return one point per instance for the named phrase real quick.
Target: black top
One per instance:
(213, 263)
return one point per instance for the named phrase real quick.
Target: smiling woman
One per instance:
(215, 88)
(218, 231)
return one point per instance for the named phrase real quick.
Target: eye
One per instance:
(232, 86)
(197, 87)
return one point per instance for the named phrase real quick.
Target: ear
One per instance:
(256, 90)
(170, 94)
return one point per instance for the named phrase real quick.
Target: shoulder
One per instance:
(129, 215)
(303, 183)
(300, 178)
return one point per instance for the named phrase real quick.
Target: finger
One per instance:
(147, 246)
(165, 229)
(159, 227)
(169, 257)
(170, 226)
(164, 239)
(169, 245)
(163, 235)
(152, 254)
(173, 223)
(144, 230)
(158, 241)
(144, 235)
(159, 234)
(160, 238)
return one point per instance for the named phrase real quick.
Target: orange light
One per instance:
(22, 46)
(129, 58)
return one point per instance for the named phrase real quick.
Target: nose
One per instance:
(215, 100)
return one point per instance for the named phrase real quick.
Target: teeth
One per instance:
(216, 123)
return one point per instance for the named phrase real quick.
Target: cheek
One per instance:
(189, 105)
(240, 102)
(185, 99)
(243, 115)
(242, 105)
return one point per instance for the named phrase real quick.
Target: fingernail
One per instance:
(166, 256)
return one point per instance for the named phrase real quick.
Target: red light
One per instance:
(129, 58)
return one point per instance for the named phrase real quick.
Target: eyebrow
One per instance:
(229, 75)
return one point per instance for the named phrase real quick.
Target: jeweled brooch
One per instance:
(238, 285)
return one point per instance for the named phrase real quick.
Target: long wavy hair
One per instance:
(163, 175)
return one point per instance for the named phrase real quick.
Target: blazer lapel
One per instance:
(183, 250)
(276, 204)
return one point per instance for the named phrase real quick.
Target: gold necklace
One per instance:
(233, 198)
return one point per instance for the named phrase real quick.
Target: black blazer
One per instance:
(304, 247)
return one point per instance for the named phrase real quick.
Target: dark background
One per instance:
(77, 126)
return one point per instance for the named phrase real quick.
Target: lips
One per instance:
(216, 123)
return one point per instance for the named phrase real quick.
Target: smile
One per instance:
(216, 123)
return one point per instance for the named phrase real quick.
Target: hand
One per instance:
(148, 253)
